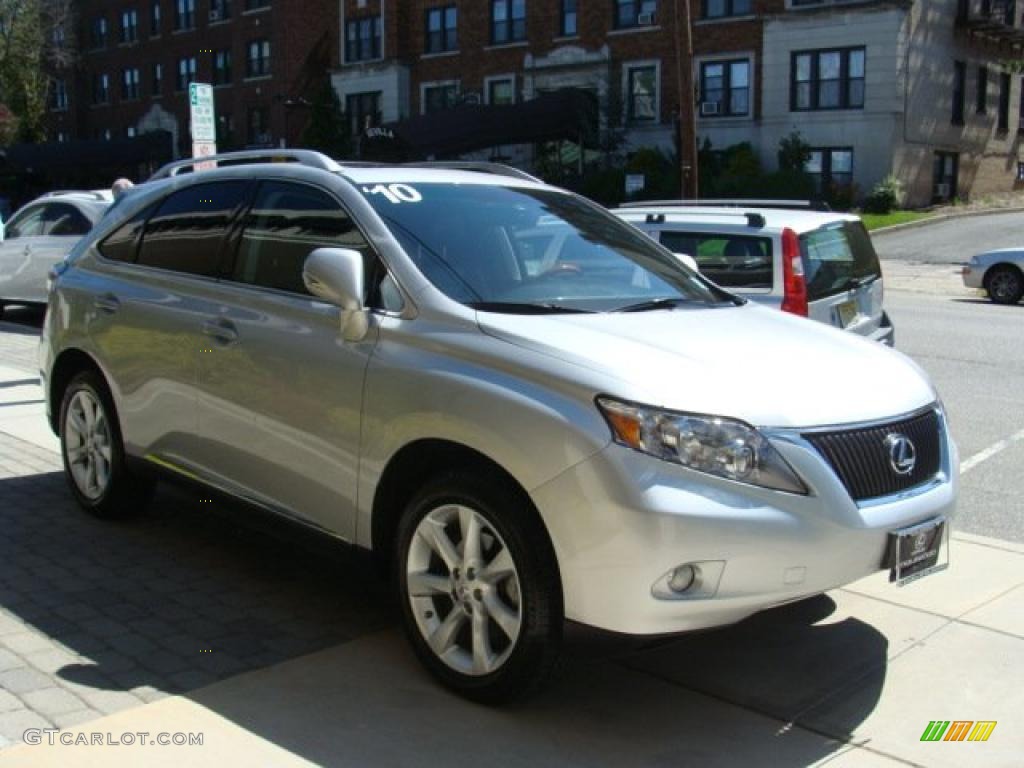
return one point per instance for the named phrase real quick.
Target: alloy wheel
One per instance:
(89, 444)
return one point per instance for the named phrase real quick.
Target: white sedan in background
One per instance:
(1000, 272)
(39, 236)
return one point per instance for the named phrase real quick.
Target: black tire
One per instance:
(1005, 284)
(507, 511)
(1, 310)
(124, 494)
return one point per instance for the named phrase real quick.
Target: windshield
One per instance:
(527, 250)
(836, 258)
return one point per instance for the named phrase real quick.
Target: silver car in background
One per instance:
(523, 433)
(783, 254)
(1000, 273)
(39, 236)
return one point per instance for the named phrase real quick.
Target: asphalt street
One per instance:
(953, 241)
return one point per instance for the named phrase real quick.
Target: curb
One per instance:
(945, 217)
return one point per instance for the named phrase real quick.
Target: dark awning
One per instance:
(569, 114)
(62, 156)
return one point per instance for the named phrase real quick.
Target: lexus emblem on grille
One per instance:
(902, 454)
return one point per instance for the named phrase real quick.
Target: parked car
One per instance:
(523, 436)
(999, 272)
(782, 254)
(40, 235)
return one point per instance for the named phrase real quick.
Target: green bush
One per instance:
(885, 196)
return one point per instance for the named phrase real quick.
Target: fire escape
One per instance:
(993, 24)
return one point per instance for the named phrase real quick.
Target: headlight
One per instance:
(713, 444)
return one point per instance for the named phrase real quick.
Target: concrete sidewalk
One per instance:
(849, 679)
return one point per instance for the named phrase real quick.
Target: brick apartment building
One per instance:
(404, 58)
(137, 57)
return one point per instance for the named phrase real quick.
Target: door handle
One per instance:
(108, 303)
(221, 330)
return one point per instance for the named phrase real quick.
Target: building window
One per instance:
(725, 88)
(155, 18)
(1003, 124)
(184, 14)
(635, 13)
(130, 132)
(99, 32)
(442, 30)
(830, 167)
(362, 39)
(129, 26)
(186, 73)
(63, 137)
(220, 10)
(945, 170)
(1020, 172)
(440, 96)
(982, 103)
(252, 5)
(508, 21)
(569, 26)
(501, 91)
(100, 89)
(60, 95)
(828, 79)
(363, 110)
(718, 9)
(258, 63)
(959, 92)
(222, 67)
(259, 125)
(157, 83)
(642, 93)
(225, 131)
(130, 83)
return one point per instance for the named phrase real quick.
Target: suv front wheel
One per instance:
(479, 587)
(93, 452)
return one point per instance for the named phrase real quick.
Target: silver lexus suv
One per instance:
(522, 436)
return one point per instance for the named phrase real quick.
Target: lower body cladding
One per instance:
(625, 525)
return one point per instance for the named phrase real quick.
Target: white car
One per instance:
(40, 236)
(782, 254)
(1000, 272)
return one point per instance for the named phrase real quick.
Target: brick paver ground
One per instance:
(98, 616)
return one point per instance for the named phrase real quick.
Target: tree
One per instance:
(327, 130)
(36, 39)
(794, 153)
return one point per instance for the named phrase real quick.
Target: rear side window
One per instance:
(286, 223)
(187, 230)
(732, 261)
(63, 220)
(122, 243)
(26, 224)
(836, 257)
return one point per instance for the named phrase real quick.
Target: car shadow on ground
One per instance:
(194, 591)
(989, 302)
(26, 320)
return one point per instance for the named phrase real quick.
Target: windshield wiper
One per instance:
(526, 308)
(663, 303)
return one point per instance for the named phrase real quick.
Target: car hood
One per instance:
(759, 365)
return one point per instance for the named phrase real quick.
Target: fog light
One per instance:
(682, 578)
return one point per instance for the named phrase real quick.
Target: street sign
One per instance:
(204, 149)
(203, 120)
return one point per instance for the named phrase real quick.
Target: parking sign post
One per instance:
(203, 123)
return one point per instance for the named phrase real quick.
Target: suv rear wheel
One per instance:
(93, 452)
(479, 587)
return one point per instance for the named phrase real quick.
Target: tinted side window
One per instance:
(63, 220)
(732, 261)
(286, 223)
(27, 224)
(122, 243)
(186, 232)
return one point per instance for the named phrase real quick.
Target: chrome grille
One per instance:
(861, 458)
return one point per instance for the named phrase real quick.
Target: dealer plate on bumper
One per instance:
(914, 552)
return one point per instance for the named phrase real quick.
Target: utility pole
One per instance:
(687, 112)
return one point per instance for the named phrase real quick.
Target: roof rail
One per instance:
(95, 194)
(301, 156)
(498, 169)
(810, 205)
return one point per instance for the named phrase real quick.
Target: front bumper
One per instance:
(621, 521)
(973, 276)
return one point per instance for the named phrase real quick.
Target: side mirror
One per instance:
(688, 260)
(336, 275)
